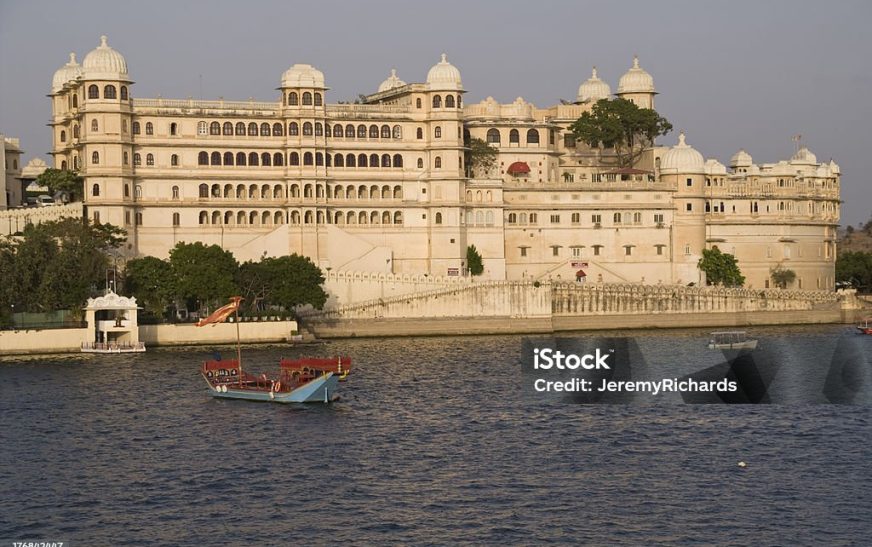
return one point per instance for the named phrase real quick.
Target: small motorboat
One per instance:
(733, 339)
(865, 327)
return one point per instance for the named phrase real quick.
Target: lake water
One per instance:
(434, 441)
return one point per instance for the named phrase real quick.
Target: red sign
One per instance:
(579, 264)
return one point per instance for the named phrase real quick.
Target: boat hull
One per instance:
(320, 390)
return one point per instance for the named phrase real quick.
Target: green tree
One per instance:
(480, 157)
(473, 261)
(151, 281)
(720, 268)
(62, 180)
(203, 273)
(855, 267)
(622, 126)
(782, 277)
(286, 281)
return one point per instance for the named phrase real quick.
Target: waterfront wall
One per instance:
(41, 340)
(353, 287)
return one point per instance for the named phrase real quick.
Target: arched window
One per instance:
(318, 100)
(493, 136)
(293, 129)
(386, 218)
(373, 160)
(339, 160)
(202, 128)
(176, 219)
(449, 101)
(228, 217)
(124, 126)
(278, 218)
(420, 163)
(437, 163)
(240, 217)
(109, 92)
(174, 129)
(385, 132)
(438, 218)
(253, 159)
(349, 131)
(175, 192)
(95, 190)
(123, 95)
(292, 99)
(398, 217)
(532, 136)
(204, 190)
(76, 97)
(350, 161)
(418, 102)
(307, 158)
(386, 160)
(137, 191)
(64, 165)
(228, 191)
(361, 160)
(307, 98)
(266, 218)
(228, 158)
(398, 160)
(204, 217)
(307, 129)
(617, 218)
(328, 131)
(252, 191)
(94, 126)
(136, 128)
(437, 133)
(240, 191)
(437, 101)
(278, 192)
(398, 132)
(514, 137)
(277, 130)
(265, 130)
(278, 159)
(266, 159)
(373, 132)
(240, 129)
(93, 92)
(295, 217)
(95, 158)
(149, 128)
(307, 191)
(75, 131)
(319, 158)
(149, 159)
(294, 159)
(216, 158)
(227, 129)
(420, 133)
(202, 158)
(214, 128)
(361, 131)
(240, 158)
(252, 129)
(319, 129)
(63, 136)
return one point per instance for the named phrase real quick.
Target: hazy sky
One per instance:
(731, 74)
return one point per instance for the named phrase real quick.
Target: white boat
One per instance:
(731, 339)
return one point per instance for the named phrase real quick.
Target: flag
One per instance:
(222, 313)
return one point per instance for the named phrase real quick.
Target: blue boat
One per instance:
(227, 380)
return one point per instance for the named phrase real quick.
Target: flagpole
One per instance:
(238, 347)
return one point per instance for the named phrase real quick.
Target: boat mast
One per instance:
(238, 347)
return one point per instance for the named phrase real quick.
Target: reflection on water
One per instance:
(433, 441)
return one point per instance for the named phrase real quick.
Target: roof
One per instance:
(580, 273)
(628, 171)
(518, 167)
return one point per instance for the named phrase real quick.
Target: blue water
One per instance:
(433, 443)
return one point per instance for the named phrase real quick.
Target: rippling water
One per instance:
(433, 442)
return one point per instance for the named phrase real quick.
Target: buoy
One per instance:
(742, 464)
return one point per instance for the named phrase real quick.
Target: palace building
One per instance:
(382, 186)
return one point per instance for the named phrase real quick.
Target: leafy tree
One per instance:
(286, 281)
(473, 261)
(720, 268)
(62, 180)
(782, 277)
(855, 267)
(204, 273)
(480, 157)
(622, 126)
(151, 281)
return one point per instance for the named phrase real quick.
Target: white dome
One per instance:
(804, 156)
(302, 75)
(682, 158)
(444, 76)
(834, 168)
(593, 89)
(104, 63)
(64, 74)
(636, 80)
(714, 167)
(392, 82)
(741, 159)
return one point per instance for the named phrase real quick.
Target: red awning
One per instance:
(580, 273)
(518, 167)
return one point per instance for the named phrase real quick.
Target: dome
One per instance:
(391, 82)
(714, 167)
(682, 158)
(804, 156)
(741, 159)
(834, 168)
(636, 80)
(301, 75)
(104, 63)
(64, 74)
(444, 76)
(593, 89)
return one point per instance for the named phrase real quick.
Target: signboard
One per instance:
(579, 264)
(454, 272)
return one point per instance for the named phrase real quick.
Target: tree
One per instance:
(473, 261)
(480, 157)
(782, 277)
(203, 273)
(151, 281)
(622, 126)
(720, 268)
(62, 180)
(855, 267)
(286, 281)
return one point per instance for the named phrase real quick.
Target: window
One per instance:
(437, 133)
(95, 158)
(658, 218)
(437, 101)
(576, 252)
(687, 249)
(523, 251)
(174, 160)
(438, 218)
(617, 218)
(307, 158)
(690, 182)
(637, 218)
(214, 128)
(398, 160)
(532, 136)
(597, 250)
(555, 250)
(149, 159)
(307, 129)
(420, 133)
(201, 128)
(292, 99)
(175, 192)
(420, 163)
(176, 219)
(93, 92)
(688, 207)
(596, 219)
(318, 100)
(437, 164)
(569, 141)
(398, 132)
(307, 99)
(75, 131)
(534, 218)
(293, 129)
(418, 102)
(215, 158)
(319, 129)
(109, 92)
(361, 131)
(373, 132)
(94, 126)
(449, 101)
(659, 249)
(555, 219)
(628, 250)
(265, 130)
(227, 129)
(385, 132)
(96, 217)
(514, 136)
(63, 136)
(174, 129)
(95, 190)
(493, 136)
(294, 159)
(123, 95)
(252, 129)
(149, 128)
(202, 158)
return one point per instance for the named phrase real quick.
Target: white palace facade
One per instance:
(382, 186)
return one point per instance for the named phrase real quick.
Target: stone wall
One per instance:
(354, 287)
(220, 333)
(14, 220)
(41, 341)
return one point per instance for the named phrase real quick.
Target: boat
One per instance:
(305, 380)
(731, 339)
(866, 327)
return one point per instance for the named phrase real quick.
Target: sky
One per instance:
(730, 74)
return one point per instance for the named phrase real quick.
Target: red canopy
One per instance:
(518, 167)
(580, 273)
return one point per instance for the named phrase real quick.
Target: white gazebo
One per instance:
(112, 325)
